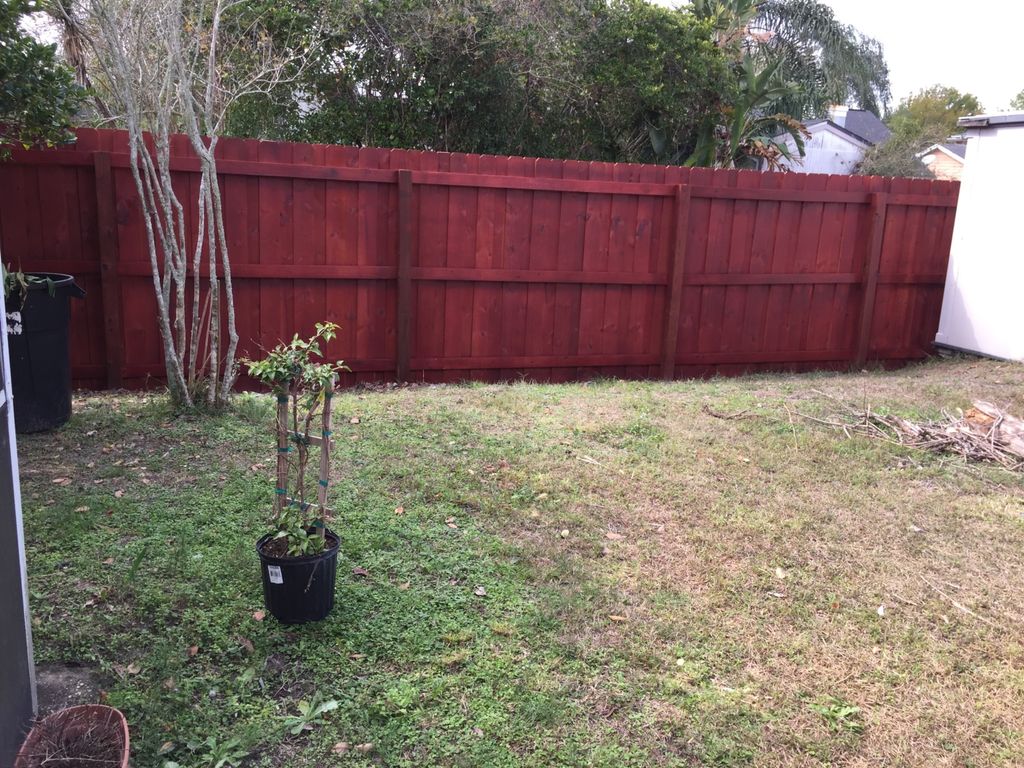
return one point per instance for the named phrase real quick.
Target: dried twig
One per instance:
(744, 414)
(961, 607)
(984, 433)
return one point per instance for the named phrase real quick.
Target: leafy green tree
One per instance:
(473, 76)
(937, 109)
(651, 77)
(624, 80)
(925, 118)
(1018, 101)
(38, 95)
(899, 154)
(748, 137)
(832, 62)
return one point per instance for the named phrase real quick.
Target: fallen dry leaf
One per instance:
(118, 493)
(365, 748)
(193, 650)
(616, 617)
(341, 748)
(109, 561)
(81, 509)
(399, 510)
(357, 656)
(170, 684)
(259, 615)
(360, 571)
(480, 591)
(613, 536)
(61, 481)
(354, 420)
(133, 669)
(564, 533)
(404, 585)
(246, 643)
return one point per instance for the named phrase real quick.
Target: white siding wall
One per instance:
(983, 306)
(827, 151)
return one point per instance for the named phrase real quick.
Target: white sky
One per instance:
(973, 46)
(976, 47)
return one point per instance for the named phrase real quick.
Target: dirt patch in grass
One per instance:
(59, 686)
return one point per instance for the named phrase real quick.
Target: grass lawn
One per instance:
(663, 587)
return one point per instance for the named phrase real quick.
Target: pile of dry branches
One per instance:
(982, 433)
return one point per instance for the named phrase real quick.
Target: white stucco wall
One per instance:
(827, 151)
(983, 304)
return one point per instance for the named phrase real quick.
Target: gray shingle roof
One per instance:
(960, 150)
(863, 124)
(866, 124)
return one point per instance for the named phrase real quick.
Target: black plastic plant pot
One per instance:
(299, 589)
(37, 337)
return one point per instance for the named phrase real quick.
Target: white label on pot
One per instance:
(274, 572)
(14, 324)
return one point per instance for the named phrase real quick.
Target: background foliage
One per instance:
(38, 94)
(622, 80)
(925, 118)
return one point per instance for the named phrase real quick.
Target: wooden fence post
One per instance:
(670, 335)
(110, 280)
(403, 319)
(877, 206)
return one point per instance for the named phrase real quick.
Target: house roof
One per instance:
(983, 121)
(954, 151)
(860, 123)
(865, 124)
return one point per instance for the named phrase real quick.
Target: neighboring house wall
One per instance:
(829, 150)
(943, 166)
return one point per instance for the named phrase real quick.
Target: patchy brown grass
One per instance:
(765, 564)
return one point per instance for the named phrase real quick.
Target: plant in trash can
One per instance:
(303, 384)
(17, 283)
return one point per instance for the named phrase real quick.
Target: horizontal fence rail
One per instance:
(442, 267)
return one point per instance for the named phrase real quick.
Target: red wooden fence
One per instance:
(442, 266)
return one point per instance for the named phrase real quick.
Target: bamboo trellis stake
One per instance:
(284, 437)
(281, 492)
(325, 459)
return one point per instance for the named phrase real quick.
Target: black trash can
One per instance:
(299, 589)
(37, 337)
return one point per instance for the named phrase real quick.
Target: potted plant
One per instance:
(38, 313)
(299, 556)
(90, 734)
